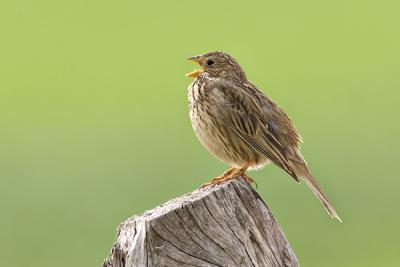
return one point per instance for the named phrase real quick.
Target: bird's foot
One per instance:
(230, 174)
(226, 176)
(219, 180)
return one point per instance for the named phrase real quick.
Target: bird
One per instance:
(242, 126)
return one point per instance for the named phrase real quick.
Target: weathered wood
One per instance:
(225, 225)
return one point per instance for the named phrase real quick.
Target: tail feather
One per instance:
(300, 169)
(316, 189)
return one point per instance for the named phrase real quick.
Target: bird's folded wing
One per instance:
(246, 115)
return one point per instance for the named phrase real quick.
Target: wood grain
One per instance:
(225, 225)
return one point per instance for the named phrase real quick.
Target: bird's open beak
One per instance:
(195, 73)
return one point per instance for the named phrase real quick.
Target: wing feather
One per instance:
(253, 124)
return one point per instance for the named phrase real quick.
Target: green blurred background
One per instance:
(94, 124)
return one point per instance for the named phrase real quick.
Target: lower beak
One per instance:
(194, 73)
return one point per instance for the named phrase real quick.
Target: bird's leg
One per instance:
(222, 178)
(225, 174)
(242, 173)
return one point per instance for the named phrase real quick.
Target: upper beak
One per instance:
(196, 59)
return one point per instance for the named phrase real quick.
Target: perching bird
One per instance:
(243, 127)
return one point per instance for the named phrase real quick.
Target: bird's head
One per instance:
(218, 65)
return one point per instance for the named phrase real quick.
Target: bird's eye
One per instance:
(210, 62)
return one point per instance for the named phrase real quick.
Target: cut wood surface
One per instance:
(225, 225)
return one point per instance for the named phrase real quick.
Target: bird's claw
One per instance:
(229, 175)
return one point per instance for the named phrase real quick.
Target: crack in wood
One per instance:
(211, 214)
(189, 234)
(237, 192)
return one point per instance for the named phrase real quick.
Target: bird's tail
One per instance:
(316, 189)
(302, 171)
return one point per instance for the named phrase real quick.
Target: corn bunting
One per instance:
(243, 127)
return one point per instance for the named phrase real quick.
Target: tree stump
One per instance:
(225, 225)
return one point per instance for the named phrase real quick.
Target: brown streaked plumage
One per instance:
(243, 127)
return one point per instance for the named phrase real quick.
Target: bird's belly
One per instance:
(208, 134)
(221, 142)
